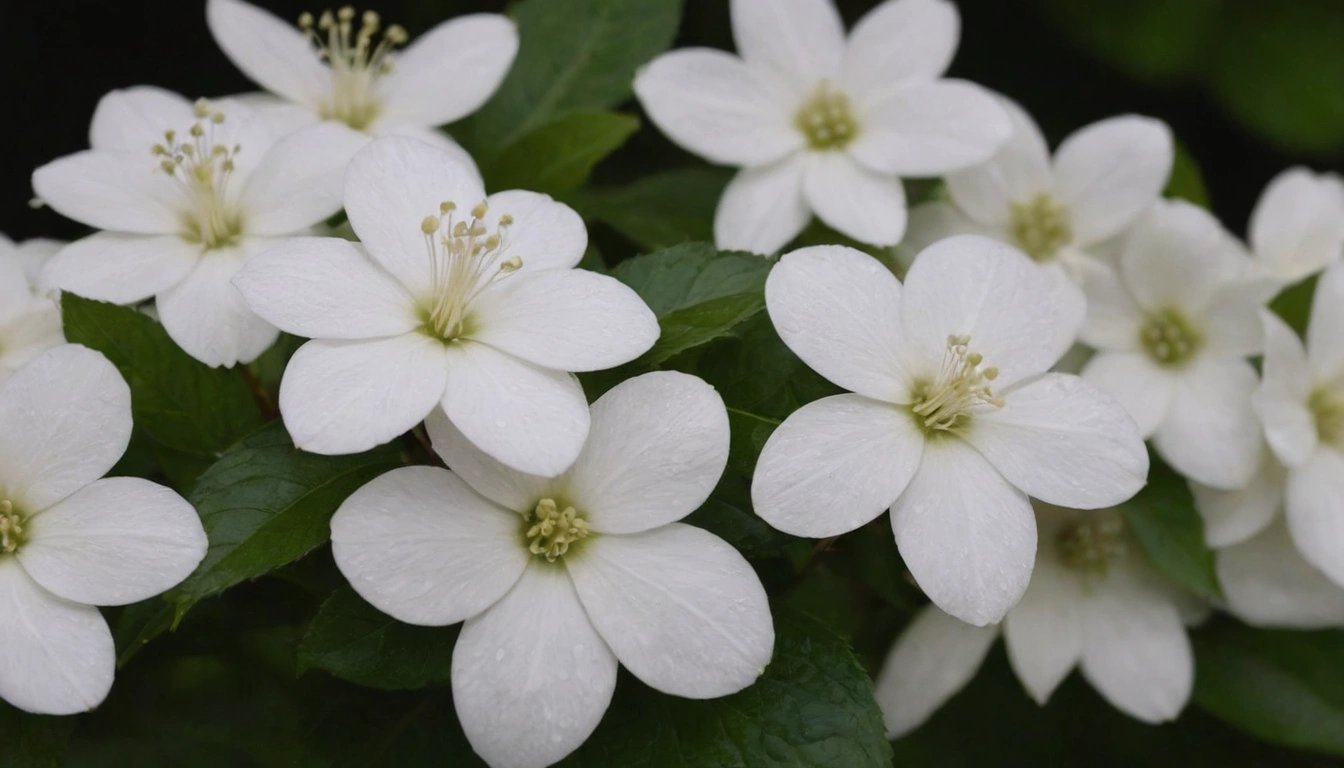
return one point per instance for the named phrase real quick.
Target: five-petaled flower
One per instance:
(1297, 227)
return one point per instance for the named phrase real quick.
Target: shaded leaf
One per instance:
(558, 157)
(1164, 519)
(660, 210)
(355, 641)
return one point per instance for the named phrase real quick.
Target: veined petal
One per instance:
(1064, 442)
(531, 677)
(966, 534)
(1110, 172)
(450, 71)
(115, 541)
(298, 182)
(898, 42)
(1268, 584)
(65, 419)
(119, 191)
(1113, 318)
(1017, 173)
(763, 208)
(1210, 433)
(531, 419)
(123, 269)
(840, 311)
(803, 39)
(714, 105)
(546, 234)
(207, 316)
(835, 464)
(1144, 389)
(931, 129)
(1177, 255)
(1297, 227)
(1231, 517)
(327, 288)
(132, 119)
(680, 608)
(342, 397)
(509, 488)
(1044, 632)
(933, 659)
(433, 137)
(857, 202)
(273, 53)
(1285, 387)
(1325, 332)
(1312, 504)
(422, 547)
(59, 657)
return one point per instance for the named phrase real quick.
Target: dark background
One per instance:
(60, 56)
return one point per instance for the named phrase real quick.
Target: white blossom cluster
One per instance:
(552, 531)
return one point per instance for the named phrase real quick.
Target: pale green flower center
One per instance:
(1169, 338)
(356, 62)
(1092, 541)
(946, 402)
(826, 119)
(551, 531)
(1040, 227)
(201, 168)
(11, 527)
(465, 258)
(1327, 407)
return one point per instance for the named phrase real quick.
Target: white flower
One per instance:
(1094, 603)
(30, 323)
(452, 298)
(69, 540)
(820, 124)
(1267, 583)
(344, 67)
(558, 580)
(1057, 211)
(1173, 325)
(1301, 404)
(187, 193)
(1297, 227)
(953, 422)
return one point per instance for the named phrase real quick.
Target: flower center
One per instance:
(550, 530)
(201, 167)
(1328, 409)
(356, 62)
(946, 402)
(11, 527)
(826, 119)
(1092, 541)
(465, 258)
(1041, 227)
(1169, 338)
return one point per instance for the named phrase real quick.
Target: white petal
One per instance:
(1143, 388)
(1231, 321)
(529, 418)
(1110, 172)
(116, 541)
(27, 337)
(932, 221)
(111, 190)
(1070, 302)
(391, 186)
(1267, 584)
(680, 608)
(857, 202)
(1281, 400)
(273, 53)
(1177, 255)
(1210, 433)
(971, 285)
(933, 659)
(1314, 519)
(545, 233)
(422, 547)
(133, 119)
(59, 658)
(1231, 517)
(1044, 632)
(898, 42)
(1016, 174)
(281, 116)
(450, 71)
(565, 319)
(207, 316)
(966, 534)
(1297, 227)
(1113, 318)
(65, 419)
(298, 182)
(714, 105)
(657, 446)
(804, 39)
(508, 488)
(531, 677)
(342, 397)
(1325, 333)
(931, 128)
(839, 310)
(123, 269)
(1135, 649)
(762, 209)
(434, 137)
(835, 464)
(1064, 442)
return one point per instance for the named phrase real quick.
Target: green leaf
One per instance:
(727, 514)
(32, 741)
(749, 433)
(573, 56)
(190, 412)
(1187, 182)
(813, 707)
(1149, 39)
(266, 503)
(1293, 304)
(1164, 519)
(757, 374)
(660, 210)
(374, 729)
(138, 624)
(558, 157)
(355, 641)
(1284, 687)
